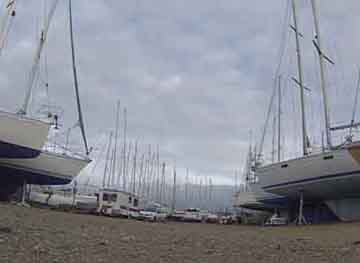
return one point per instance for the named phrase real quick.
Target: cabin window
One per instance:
(285, 165)
(136, 202)
(105, 197)
(113, 197)
(329, 157)
(130, 199)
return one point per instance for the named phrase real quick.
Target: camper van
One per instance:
(112, 202)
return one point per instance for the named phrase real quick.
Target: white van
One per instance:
(113, 202)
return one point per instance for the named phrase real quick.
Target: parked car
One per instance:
(212, 218)
(154, 214)
(276, 220)
(192, 215)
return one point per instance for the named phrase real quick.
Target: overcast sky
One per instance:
(195, 76)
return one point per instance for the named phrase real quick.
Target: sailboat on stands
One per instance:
(50, 167)
(331, 176)
(14, 142)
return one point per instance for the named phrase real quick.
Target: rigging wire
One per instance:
(282, 48)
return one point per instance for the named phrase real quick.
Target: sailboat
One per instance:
(251, 195)
(20, 135)
(50, 167)
(331, 176)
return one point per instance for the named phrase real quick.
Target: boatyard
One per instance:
(39, 235)
(179, 131)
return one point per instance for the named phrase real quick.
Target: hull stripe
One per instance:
(319, 178)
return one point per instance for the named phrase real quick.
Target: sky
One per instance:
(196, 77)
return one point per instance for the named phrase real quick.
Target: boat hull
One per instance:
(21, 137)
(256, 198)
(331, 175)
(46, 169)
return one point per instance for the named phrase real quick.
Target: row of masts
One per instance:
(137, 169)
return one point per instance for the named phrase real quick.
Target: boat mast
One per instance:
(174, 192)
(317, 42)
(279, 121)
(37, 57)
(355, 106)
(106, 160)
(114, 170)
(157, 173)
(76, 83)
(5, 22)
(300, 81)
(134, 169)
(124, 160)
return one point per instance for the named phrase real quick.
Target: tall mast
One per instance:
(134, 169)
(106, 160)
(157, 174)
(174, 193)
(37, 56)
(162, 190)
(76, 83)
(187, 184)
(279, 121)
(300, 81)
(124, 161)
(273, 140)
(109, 182)
(114, 170)
(5, 22)
(355, 106)
(322, 74)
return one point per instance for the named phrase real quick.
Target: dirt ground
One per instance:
(39, 235)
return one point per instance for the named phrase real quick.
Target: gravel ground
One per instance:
(40, 235)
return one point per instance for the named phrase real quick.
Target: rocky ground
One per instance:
(40, 235)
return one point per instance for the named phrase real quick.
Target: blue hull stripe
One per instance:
(9, 150)
(319, 178)
(13, 175)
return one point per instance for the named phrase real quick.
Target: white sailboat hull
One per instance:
(324, 176)
(256, 198)
(48, 168)
(21, 137)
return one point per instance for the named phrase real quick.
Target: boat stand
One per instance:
(23, 195)
(300, 220)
